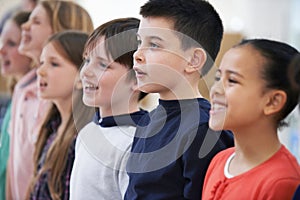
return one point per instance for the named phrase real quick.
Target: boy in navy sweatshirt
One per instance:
(178, 43)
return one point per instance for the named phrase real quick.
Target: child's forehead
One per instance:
(39, 11)
(157, 24)
(243, 59)
(162, 34)
(162, 28)
(96, 48)
(97, 53)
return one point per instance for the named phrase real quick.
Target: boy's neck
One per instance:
(118, 110)
(181, 92)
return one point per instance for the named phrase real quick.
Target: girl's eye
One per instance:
(232, 80)
(54, 64)
(11, 43)
(35, 21)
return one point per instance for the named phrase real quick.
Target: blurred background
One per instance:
(273, 19)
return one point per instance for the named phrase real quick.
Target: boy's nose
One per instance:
(85, 72)
(217, 88)
(138, 56)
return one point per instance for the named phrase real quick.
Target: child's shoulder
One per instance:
(220, 159)
(224, 154)
(183, 105)
(284, 162)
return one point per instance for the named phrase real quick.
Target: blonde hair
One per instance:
(65, 15)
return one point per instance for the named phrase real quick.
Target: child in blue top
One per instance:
(178, 41)
(109, 83)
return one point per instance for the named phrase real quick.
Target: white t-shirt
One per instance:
(101, 154)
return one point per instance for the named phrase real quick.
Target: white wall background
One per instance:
(104, 10)
(254, 18)
(276, 19)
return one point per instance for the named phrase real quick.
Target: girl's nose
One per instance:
(25, 25)
(41, 70)
(2, 49)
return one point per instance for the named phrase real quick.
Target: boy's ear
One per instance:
(275, 102)
(197, 60)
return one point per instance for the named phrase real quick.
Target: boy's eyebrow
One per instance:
(101, 58)
(151, 37)
(156, 38)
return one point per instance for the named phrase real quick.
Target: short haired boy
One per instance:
(178, 41)
(109, 84)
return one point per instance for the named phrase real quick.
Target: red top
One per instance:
(276, 178)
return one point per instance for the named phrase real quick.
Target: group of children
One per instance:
(75, 129)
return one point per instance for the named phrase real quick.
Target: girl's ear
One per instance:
(196, 61)
(275, 102)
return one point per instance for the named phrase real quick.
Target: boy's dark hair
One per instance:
(120, 42)
(278, 56)
(195, 19)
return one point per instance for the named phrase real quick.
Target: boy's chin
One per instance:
(216, 125)
(145, 88)
(150, 88)
(89, 103)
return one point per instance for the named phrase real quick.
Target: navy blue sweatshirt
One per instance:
(172, 149)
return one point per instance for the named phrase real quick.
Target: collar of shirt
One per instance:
(131, 119)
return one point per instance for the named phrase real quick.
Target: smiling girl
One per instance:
(252, 96)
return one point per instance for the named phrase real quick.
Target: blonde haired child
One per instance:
(28, 110)
(58, 81)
